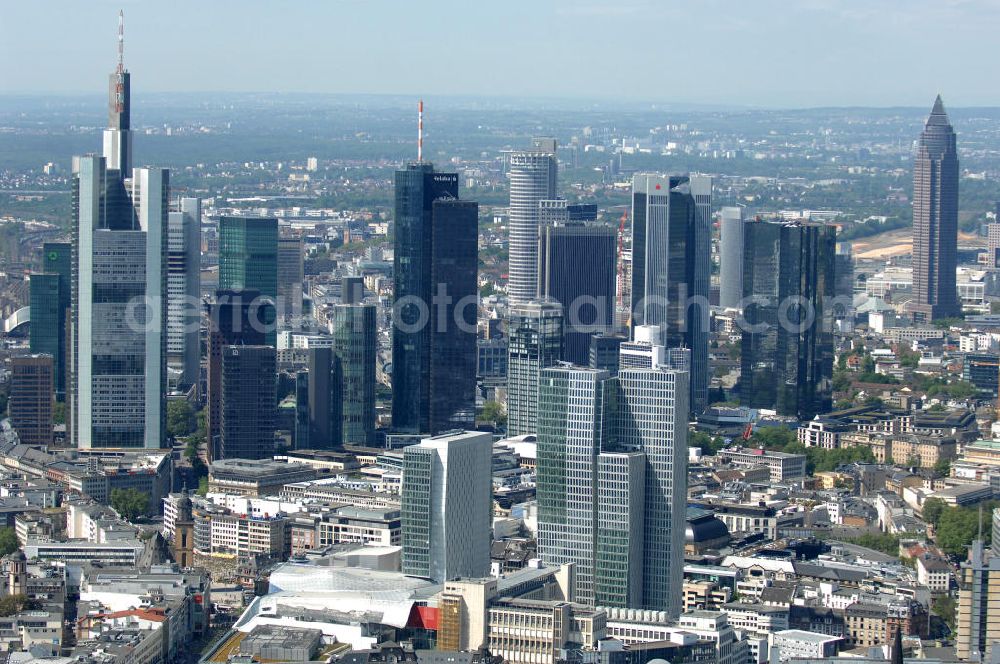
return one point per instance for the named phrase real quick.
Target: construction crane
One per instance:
(621, 265)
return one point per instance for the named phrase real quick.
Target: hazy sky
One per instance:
(772, 53)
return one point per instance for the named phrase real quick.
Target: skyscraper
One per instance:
(843, 290)
(355, 344)
(325, 399)
(118, 363)
(118, 136)
(31, 397)
(248, 404)
(611, 482)
(935, 219)
(453, 352)
(248, 260)
(446, 510)
(51, 291)
(435, 287)
(532, 174)
(671, 229)
(235, 318)
(184, 292)
(978, 628)
(576, 267)
(290, 276)
(572, 426)
(731, 258)
(653, 419)
(534, 342)
(787, 351)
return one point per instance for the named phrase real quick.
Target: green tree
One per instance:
(956, 527)
(59, 413)
(710, 445)
(884, 542)
(493, 412)
(944, 607)
(8, 541)
(129, 503)
(943, 467)
(180, 418)
(933, 509)
(202, 487)
(13, 604)
(773, 438)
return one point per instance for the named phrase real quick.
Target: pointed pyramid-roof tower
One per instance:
(938, 115)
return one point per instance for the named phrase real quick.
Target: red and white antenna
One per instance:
(121, 41)
(420, 130)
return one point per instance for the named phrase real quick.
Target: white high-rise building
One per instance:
(184, 293)
(118, 368)
(731, 257)
(653, 418)
(447, 506)
(572, 428)
(532, 175)
(612, 482)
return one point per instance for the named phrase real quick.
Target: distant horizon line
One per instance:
(637, 104)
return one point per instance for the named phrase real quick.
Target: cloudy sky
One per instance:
(765, 53)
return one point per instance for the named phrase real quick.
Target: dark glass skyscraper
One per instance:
(671, 230)
(234, 319)
(325, 402)
(787, 345)
(51, 295)
(453, 353)
(433, 358)
(248, 405)
(248, 260)
(576, 267)
(355, 345)
(935, 219)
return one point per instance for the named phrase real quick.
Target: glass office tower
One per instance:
(435, 284)
(787, 343)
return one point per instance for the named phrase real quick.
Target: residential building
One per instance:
(446, 506)
(935, 219)
(934, 573)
